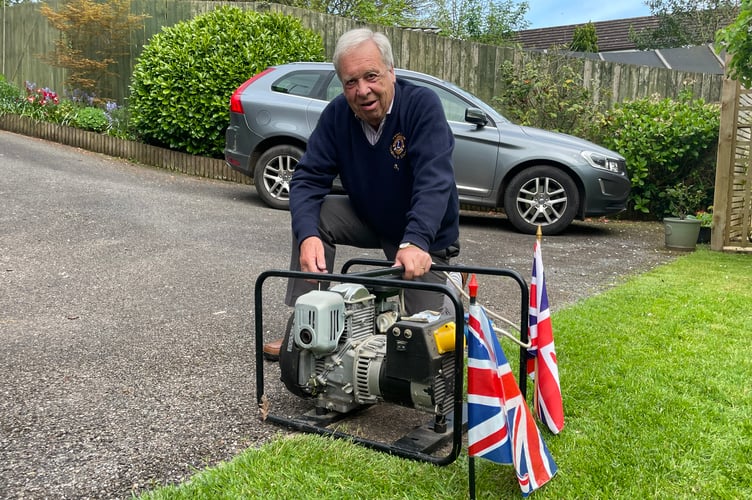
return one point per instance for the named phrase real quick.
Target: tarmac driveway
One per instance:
(126, 321)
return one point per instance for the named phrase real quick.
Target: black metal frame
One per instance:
(385, 274)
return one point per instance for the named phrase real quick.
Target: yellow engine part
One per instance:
(444, 337)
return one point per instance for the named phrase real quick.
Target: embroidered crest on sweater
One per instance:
(399, 146)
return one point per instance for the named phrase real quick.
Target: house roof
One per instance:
(612, 35)
(615, 45)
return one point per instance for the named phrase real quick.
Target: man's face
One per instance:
(368, 84)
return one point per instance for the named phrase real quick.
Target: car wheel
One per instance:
(541, 196)
(273, 174)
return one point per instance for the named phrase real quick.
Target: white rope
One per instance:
(512, 337)
(496, 329)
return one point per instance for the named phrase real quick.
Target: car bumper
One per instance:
(237, 156)
(240, 144)
(607, 195)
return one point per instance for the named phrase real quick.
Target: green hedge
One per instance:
(185, 76)
(665, 142)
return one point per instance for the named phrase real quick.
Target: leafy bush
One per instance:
(89, 118)
(683, 200)
(185, 76)
(665, 141)
(549, 93)
(11, 97)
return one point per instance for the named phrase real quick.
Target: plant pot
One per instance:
(704, 235)
(681, 234)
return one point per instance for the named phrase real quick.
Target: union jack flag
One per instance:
(500, 425)
(541, 364)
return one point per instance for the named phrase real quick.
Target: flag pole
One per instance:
(471, 473)
(472, 287)
(536, 379)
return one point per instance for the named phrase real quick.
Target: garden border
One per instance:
(146, 154)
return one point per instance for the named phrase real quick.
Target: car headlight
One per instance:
(604, 162)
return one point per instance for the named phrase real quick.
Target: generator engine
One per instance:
(347, 347)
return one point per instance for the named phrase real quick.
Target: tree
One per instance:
(92, 36)
(384, 12)
(737, 41)
(584, 39)
(485, 21)
(683, 23)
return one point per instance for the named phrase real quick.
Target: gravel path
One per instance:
(126, 317)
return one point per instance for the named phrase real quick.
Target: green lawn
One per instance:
(655, 375)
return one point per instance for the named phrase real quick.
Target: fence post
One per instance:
(725, 163)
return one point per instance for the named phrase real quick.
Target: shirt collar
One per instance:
(373, 135)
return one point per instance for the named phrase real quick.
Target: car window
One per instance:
(454, 107)
(333, 89)
(302, 83)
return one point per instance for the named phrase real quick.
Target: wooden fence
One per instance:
(473, 66)
(732, 208)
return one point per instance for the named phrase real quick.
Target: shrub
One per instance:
(186, 74)
(549, 93)
(89, 118)
(665, 141)
(11, 97)
(77, 109)
(683, 200)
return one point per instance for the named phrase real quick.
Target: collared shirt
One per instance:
(372, 134)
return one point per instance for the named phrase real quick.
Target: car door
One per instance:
(475, 149)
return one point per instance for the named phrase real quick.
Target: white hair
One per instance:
(353, 38)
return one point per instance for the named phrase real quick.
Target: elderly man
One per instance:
(390, 143)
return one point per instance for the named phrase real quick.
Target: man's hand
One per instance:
(312, 255)
(415, 261)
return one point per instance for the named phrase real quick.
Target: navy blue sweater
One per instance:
(403, 186)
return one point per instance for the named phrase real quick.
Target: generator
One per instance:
(347, 347)
(350, 346)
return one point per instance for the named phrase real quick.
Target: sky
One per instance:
(546, 13)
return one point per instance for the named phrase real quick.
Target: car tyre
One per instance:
(273, 174)
(541, 196)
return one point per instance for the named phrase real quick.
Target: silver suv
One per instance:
(537, 177)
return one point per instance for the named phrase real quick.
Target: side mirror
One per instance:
(476, 116)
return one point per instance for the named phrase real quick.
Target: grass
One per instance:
(656, 377)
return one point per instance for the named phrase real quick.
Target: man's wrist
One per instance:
(408, 244)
